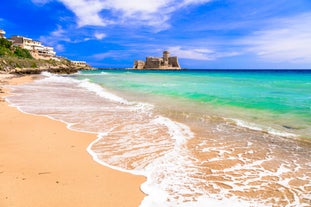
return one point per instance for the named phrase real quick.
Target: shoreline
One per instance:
(43, 163)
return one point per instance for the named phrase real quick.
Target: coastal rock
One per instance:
(13, 65)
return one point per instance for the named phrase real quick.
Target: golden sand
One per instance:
(42, 163)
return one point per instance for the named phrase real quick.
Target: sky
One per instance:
(204, 34)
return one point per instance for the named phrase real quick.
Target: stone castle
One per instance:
(165, 63)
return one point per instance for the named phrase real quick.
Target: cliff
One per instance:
(15, 65)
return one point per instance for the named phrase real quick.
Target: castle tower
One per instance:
(166, 55)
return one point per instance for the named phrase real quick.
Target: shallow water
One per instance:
(194, 150)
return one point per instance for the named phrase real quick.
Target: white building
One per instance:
(36, 48)
(79, 63)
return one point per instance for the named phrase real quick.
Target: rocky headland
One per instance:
(15, 65)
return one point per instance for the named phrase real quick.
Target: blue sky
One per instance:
(212, 34)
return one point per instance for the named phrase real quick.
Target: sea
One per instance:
(202, 138)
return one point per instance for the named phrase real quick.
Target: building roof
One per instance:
(26, 38)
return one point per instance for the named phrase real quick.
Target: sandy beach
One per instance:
(42, 163)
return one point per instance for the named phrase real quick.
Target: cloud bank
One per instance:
(59, 37)
(155, 13)
(286, 40)
(199, 53)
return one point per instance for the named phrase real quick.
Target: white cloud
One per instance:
(188, 2)
(288, 40)
(195, 54)
(59, 36)
(87, 11)
(154, 13)
(99, 36)
(59, 32)
(56, 36)
(41, 1)
(134, 6)
(102, 56)
(199, 53)
(59, 48)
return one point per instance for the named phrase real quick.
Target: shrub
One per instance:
(34, 65)
(5, 51)
(22, 53)
(5, 43)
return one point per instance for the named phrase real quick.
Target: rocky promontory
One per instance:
(15, 65)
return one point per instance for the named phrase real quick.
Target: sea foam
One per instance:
(134, 139)
(262, 128)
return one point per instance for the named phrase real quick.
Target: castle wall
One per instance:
(139, 64)
(152, 63)
(173, 61)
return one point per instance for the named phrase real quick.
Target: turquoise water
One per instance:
(201, 138)
(281, 99)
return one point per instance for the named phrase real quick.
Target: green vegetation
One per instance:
(22, 53)
(5, 43)
(7, 49)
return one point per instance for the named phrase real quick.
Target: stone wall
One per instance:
(139, 64)
(152, 62)
(173, 61)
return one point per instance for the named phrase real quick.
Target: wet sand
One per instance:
(42, 163)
